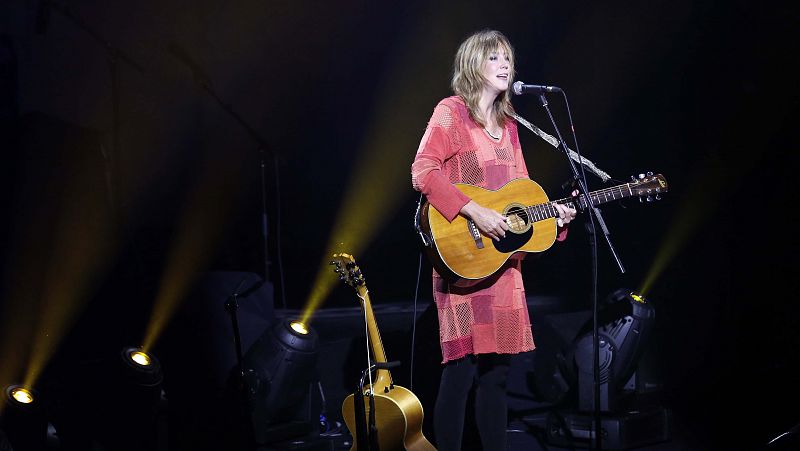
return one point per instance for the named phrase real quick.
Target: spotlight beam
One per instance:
(696, 208)
(83, 245)
(382, 177)
(201, 224)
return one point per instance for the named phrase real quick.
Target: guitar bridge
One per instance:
(476, 234)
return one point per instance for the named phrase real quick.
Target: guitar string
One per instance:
(605, 192)
(540, 212)
(550, 211)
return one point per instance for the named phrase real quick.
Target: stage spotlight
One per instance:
(131, 401)
(142, 367)
(278, 369)
(139, 384)
(111, 402)
(23, 419)
(140, 358)
(625, 324)
(299, 327)
(21, 395)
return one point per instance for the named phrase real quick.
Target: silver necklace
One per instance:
(490, 133)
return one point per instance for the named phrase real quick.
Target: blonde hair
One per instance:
(468, 80)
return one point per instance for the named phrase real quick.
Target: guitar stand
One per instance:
(366, 438)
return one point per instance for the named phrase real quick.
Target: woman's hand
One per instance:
(565, 213)
(488, 221)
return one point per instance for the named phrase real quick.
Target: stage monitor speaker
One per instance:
(198, 354)
(623, 431)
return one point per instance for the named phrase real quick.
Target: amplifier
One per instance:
(630, 429)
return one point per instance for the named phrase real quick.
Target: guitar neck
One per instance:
(383, 378)
(547, 210)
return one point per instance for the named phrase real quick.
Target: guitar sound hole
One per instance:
(517, 219)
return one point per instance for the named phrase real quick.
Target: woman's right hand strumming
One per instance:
(488, 221)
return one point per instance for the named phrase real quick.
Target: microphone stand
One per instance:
(114, 56)
(366, 428)
(594, 214)
(232, 306)
(205, 84)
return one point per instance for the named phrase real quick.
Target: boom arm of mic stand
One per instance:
(256, 137)
(114, 53)
(599, 215)
(593, 211)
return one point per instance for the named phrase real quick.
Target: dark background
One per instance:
(703, 92)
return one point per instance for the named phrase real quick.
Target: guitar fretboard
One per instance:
(545, 211)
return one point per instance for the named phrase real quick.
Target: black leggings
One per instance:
(491, 407)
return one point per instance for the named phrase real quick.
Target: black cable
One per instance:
(278, 231)
(414, 325)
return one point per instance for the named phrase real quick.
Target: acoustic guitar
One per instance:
(460, 252)
(397, 412)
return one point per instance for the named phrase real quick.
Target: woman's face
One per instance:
(496, 71)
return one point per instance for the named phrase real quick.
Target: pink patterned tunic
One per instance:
(492, 316)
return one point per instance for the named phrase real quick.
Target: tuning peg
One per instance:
(633, 178)
(649, 173)
(658, 196)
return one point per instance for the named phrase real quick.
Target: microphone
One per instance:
(521, 88)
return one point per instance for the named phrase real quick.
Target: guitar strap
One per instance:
(554, 142)
(427, 240)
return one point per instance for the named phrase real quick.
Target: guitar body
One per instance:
(457, 252)
(398, 413)
(463, 256)
(398, 417)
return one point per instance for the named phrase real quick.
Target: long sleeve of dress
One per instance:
(435, 149)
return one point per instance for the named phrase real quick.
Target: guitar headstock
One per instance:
(347, 269)
(648, 187)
